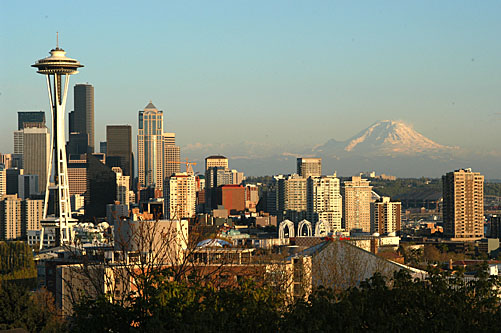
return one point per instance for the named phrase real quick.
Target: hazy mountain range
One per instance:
(390, 147)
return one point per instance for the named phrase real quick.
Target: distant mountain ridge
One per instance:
(387, 146)
(387, 137)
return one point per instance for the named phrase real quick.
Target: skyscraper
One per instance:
(119, 148)
(31, 215)
(10, 217)
(292, 203)
(357, 200)
(18, 142)
(150, 147)
(19, 134)
(122, 186)
(30, 117)
(463, 206)
(307, 167)
(385, 216)
(77, 174)
(172, 155)
(179, 196)
(28, 186)
(101, 187)
(216, 161)
(324, 201)
(3, 181)
(36, 154)
(83, 116)
(12, 180)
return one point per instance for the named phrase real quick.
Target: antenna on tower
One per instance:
(57, 39)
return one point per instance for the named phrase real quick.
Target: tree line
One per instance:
(439, 303)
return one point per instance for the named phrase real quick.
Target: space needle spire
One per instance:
(57, 68)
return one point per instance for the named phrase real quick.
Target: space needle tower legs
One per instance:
(57, 68)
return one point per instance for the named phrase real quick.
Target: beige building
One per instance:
(3, 182)
(32, 212)
(309, 167)
(77, 175)
(172, 155)
(237, 177)
(180, 196)
(10, 217)
(324, 201)
(36, 151)
(463, 206)
(6, 160)
(357, 199)
(292, 203)
(385, 216)
(122, 186)
(150, 143)
(216, 161)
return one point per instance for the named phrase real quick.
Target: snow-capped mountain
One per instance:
(386, 137)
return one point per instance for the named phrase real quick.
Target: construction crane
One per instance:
(189, 168)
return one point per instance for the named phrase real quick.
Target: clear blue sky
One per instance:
(276, 71)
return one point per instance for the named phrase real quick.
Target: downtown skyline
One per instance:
(324, 70)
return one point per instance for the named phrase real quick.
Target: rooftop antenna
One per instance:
(57, 39)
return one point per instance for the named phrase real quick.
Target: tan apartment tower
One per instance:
(324, 201)
(180, 196)
(10, 217)
(292, 203)
(357, 200)
(309, 167)
(385, 216)
(463, 206)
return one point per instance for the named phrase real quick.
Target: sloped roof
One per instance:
(150, 106)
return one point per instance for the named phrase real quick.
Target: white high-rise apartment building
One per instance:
(324, 201)
(357, 201)
(180, 196)
(150, 147)
(36, 154)
(122, 186)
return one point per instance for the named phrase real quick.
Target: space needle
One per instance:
(57, 68)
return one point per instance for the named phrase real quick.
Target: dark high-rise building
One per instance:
(29, 117)
(101, 187)
(78, 143)
(119, 149)
(12, 180)
(103, 147)
(82, 118)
